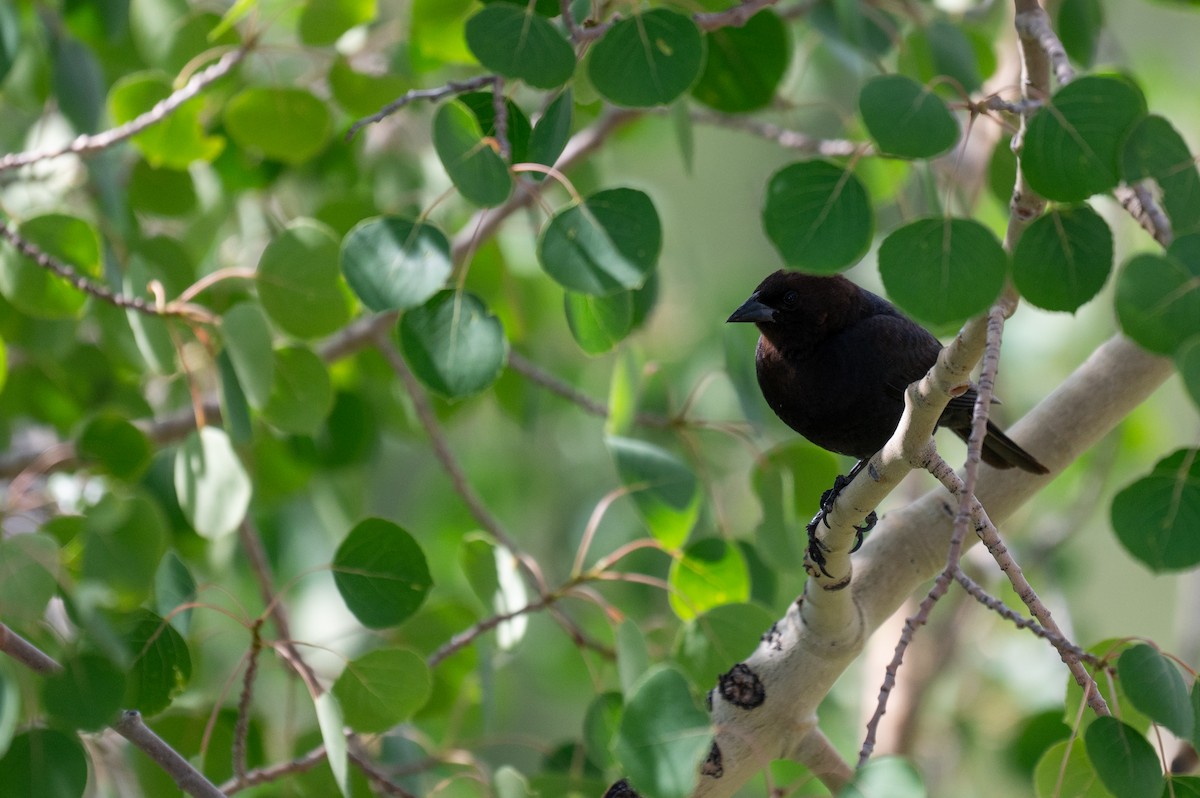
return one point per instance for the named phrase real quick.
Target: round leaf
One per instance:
(943, 270)
(298, 281)
(301, 394)
(1157, 518)
(550, 134)
(247, 339)
(179, 138)
(945, 49)
(37, 292)
(1073, 144)
(123, 540)
(710, 644)
(28, 576)
(1063, 258)
(663, 736)
(664, 490)
(454, 344)
(609, 243)
(905, 118)
(1079, 26)
(212, 486)
(161, 665)
(709, 573)
(394, 263)
(1155, 150)
(322, 22)
(745, 65)
(1156, 687)
(382, 689)
(1187, 361)
(473, 163)
(598, 323)
(1124, 759)
(284, 124)
(86, 694)
(45, 763)
(518, 43)
(647, 59)
(483, 105)
(118, 447)
(818, 216)
(1064, 769)
(381, 574)
(1158, 296)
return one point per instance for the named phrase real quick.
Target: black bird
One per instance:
(833, 362)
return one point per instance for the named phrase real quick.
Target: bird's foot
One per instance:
(816, 548)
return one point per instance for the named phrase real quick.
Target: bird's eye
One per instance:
(790, 299)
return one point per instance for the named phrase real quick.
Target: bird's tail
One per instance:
(999, 451)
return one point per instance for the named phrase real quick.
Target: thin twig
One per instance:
(242, 727)
(379, 780)
(186, 777)
(500, 117)
(468, 635)
(274, 772)
(789, 139)
(26, 653)
(82, 145)
(1145, 210)
(734, 17)
(976, 591)
(80, 282)
(433, 95)
(1032, 22)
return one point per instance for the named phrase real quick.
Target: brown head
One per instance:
(806, 308)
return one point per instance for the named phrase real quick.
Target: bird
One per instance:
(833, 361)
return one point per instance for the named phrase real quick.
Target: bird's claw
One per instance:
(816, 547)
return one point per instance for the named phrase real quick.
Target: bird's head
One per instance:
(807, 306)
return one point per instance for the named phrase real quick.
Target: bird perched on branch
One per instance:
(833, 362)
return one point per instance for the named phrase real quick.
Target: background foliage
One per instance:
(320, 423)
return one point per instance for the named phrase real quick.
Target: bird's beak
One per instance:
(752, 310)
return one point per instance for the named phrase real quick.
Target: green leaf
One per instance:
(123, 540)
(477, 557)
(37, 292)
(119, 448)
(608, 243)
(28, 577)
(818, 216)
(382, 689)
(1155, 686)
(663, 736)
(1124, 759)
(885, 777)
(1063, 258)
(517, 43)
(1065, 770)
(10, 704)
(547, 8)
(283, 124)
(483, 105)
(45, 763)
(943, 49)
(473, 163)
(1187, 362)
(322, 22)
(86, 694)
(664, 490)
(1157, 518)
(599, 323)
(329, 719)
(436, 36)
(362, 93)
(78, 84)
(150, 333)
(381, 574)
(161, 666)
(788, 480)
(633, 655)
(1073, 144)
(871, 31)
(905, 118)
(1155, 150)
(943, 270)
(600, 725)
(301, 394)
(1079, 25)
(299, 281)
(553, 130)
(709, 573)
(393, 263)
(511, 784)
(175, 142)
(161, 191)
(647, 59)
(1158, 296)
(713, 642)
(10, 40)
(174, 586)
(454, 344)
(247, 339)
(745, 65)
(212, 486)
